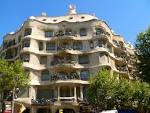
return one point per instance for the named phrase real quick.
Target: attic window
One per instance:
(44, 20)
(54, 20)
(70, 18)
(82, 17)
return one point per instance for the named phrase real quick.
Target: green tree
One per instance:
(12, 75)
(142, 46)
(108, 92)
(141, 96)
(101, 90)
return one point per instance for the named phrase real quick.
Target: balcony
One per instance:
(121, 57)
(67, 99)
(63, 62)
(102, 35)
(66, 76)
(118, 45)
(42, 101)
(64, 47)
(122, 69)
(65, 34)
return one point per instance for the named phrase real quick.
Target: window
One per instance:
(27, 31)
(48, 34)
(91, 44)
(25, 57)
(115, 42)
(9, 54)
(50, 46)
(70, 18)
(19, 38)
(54, 20)
(83, 59)
(45, 75)
(11, 43)
(66, 91)
(5, 44)
(68, 32)
(43, 60)
(99, 31)
(101, 43)
(82, 17)
(26, 43)
(84, 74)
(83, 32)
(23, 92)
(109, 48)
(41, 46)
(45, 93)
(77, 45)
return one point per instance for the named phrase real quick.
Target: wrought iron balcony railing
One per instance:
(73, 76)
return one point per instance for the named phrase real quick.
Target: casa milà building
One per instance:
(60, 54)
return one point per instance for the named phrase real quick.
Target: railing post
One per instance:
(58, 93)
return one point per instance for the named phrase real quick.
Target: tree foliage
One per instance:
(108, 92)
(142, 46)
(12, 75)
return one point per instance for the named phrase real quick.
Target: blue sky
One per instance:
(125, 17)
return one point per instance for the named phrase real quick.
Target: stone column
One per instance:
(81, 92)
(33, 110)
(75, 93)
(58, 93)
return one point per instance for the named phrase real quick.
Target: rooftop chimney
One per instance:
(43, 14)
(72, 9)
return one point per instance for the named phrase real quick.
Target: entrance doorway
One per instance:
(27, 110)
(66, 111)
(43, 110)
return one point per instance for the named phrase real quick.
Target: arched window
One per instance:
(45, 76)
(27, 31)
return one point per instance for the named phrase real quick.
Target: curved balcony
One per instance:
(121, 58)
(122, 69)
(118, 46)
(42, 101)
(72, 76)
(66, 63)
(102, 36)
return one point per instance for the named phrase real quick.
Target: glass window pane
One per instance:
(83, 32)
(27, 31)
(50, 46)
(48, 33)
(84, 74)
(45, 75)
(83, 59)
(41, 46)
